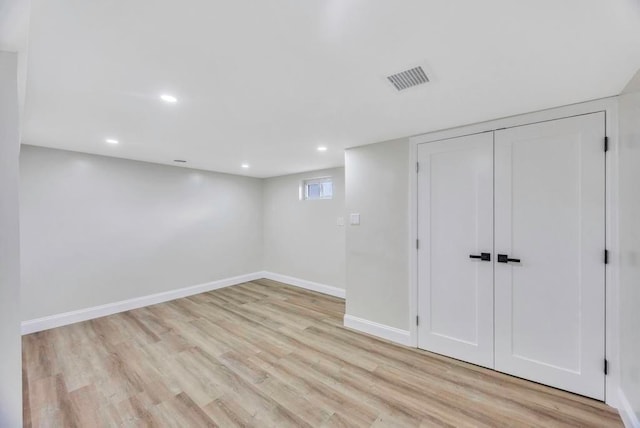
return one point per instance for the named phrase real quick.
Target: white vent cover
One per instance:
(408, 78)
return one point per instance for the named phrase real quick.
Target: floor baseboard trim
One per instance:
(59, 320)
(303, 283)
(628, 416)
(392, 334)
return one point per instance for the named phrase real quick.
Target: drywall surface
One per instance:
(633, 85)
(97, 230)
(10, 343)
(302, 238)
(377, 257)
(629, 236)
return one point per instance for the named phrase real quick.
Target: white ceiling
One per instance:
(266, 82)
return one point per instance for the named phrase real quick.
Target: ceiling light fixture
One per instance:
(168, 98)
(111, 141)
(322, 149)
(245, 165)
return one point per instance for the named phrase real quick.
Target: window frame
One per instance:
(304, 188)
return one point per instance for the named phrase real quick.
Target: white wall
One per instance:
(629, 236)
(97, 230)
(302, 238)
(377, 258)
(10, 344)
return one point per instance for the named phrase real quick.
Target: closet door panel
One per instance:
(455, 198)
(549, 214)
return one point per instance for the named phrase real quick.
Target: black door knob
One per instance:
(483, 256)
(503, 258)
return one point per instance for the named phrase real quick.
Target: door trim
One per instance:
(610, 107)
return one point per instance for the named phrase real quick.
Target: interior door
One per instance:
(455, 221)
(550, 240)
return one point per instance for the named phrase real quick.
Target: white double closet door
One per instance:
(511, 272)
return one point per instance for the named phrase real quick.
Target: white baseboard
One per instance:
(303, 283)
(392, 334)
(45, 323)
(628, 416)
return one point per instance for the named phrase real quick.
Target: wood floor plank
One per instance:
(265, 354)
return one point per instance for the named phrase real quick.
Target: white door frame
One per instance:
(610, 107)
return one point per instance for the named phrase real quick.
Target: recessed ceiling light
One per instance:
(180, 160)
(168, 98)
(111, 141)
(245, 165)
(322, 149)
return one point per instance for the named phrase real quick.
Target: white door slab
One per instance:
(550, 214)
(455, 212)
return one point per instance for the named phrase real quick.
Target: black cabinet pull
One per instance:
(503, 258)
(483, 256)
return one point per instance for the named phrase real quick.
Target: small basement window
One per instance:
(317, 188)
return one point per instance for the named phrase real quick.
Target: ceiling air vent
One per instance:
(408, 78)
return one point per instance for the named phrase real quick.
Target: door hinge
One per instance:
(417, 320)
(606, 257)
(606, 367)
(417, 244)
(417, 167)
(606, 144)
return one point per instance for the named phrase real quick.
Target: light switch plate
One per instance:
(340, 221)
(354, 219)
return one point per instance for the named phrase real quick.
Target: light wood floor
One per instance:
(266, 354)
